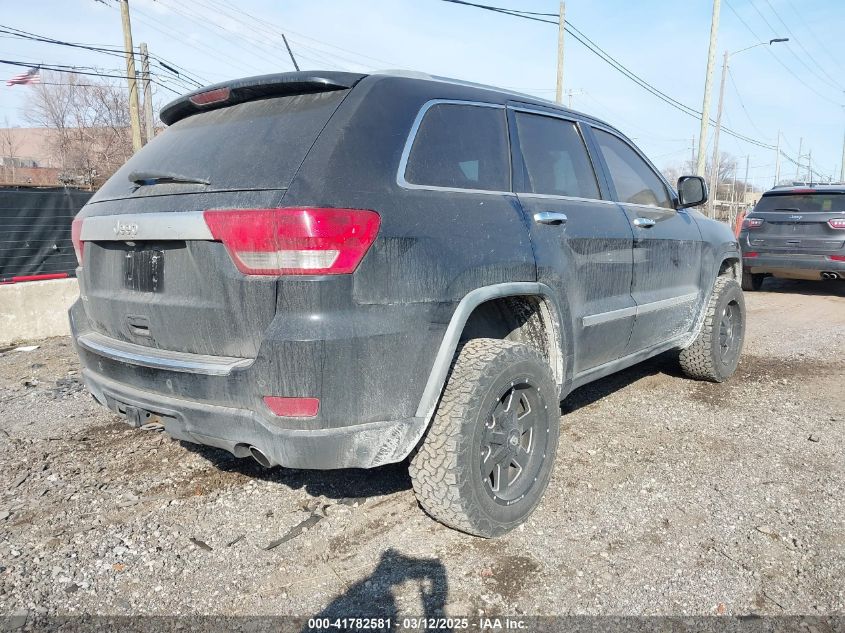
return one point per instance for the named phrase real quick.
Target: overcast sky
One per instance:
(796, 87)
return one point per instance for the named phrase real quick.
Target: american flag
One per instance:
(31, 76)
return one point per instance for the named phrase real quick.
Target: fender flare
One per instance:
(726, 252)
(560, 356)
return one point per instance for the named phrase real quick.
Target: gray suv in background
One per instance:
(334, 270)
(795, 233)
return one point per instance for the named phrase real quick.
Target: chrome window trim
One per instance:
(133, 354)
(174, 225)
(551, 196)
(412, 135)
(645, 308)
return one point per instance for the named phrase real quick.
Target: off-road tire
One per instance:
(705, 358)
(446, 470)
(752, 282)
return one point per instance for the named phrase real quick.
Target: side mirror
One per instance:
(692, 191)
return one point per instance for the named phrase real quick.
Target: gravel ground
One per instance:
(669, 497)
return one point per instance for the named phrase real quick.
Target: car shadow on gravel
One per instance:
(332, 484)
(666, 364)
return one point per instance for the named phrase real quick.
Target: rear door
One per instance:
(667, 245)
(799, 222)
(582, 242)
(152, 273)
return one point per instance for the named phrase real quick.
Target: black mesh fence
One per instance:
(35, 239)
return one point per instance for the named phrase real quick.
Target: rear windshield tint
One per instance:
(252, 145)
(806, 202)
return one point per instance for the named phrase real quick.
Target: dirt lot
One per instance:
(669, 497)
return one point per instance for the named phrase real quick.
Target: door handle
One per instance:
(550, 217)
(644, 223)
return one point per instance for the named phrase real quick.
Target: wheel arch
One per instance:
(550, 312)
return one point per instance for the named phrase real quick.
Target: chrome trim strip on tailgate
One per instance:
(159, 358)
(129, 227)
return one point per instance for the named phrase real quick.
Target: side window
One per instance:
(461, 146)
(555, 158)
(635, 181)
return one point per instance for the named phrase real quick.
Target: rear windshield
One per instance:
(806, 202)
(252, 145)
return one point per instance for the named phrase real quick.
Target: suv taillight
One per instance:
(836, 223)
(752, 223)
(294, 240)
(76, 236)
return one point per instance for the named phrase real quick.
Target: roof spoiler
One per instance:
(251, 88)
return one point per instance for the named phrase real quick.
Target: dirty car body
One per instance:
(448, 218)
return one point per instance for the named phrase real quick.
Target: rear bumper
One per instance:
(803, 265)
(359, 446)
(217, 401)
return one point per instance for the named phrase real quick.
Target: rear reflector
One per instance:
(294, 241)
(750, 254)
(209, 97)
(836, 223)
(76, 236)
(293, 407)
(836, 258)
(752, 223)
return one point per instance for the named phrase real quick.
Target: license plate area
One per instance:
(143, 270)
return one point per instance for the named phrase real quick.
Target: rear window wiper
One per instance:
(156, 178)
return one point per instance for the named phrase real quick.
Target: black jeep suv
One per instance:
(333, 270)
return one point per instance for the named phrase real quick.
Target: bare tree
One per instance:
(10, 146)
(91, 122)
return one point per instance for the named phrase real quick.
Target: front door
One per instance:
(667, 246)
(582, 241)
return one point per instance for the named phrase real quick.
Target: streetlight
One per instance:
(714, 176)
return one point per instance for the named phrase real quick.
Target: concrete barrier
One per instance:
(35, 309)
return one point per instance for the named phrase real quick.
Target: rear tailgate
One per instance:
(152, 273)
(800, 223)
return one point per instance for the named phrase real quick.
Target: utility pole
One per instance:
(290, 52)
(561, 29)
(692, 157)
(798, 166)
(134, 118)
(149, 122)
(708, 84)
(810, 167)
(745, 182)
(777, 162)
(842, 164)
(715, 176)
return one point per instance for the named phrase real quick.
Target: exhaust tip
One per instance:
(259, 456)
(830, 275)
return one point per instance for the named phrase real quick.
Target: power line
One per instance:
(77, 70)
(614, 63)
(789, 48)
(819, 40)
(19, 33)
(778, 59)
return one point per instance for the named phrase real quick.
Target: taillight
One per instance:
(751, 254)
(208, 97)
(752, 223)
(836, 223)
(836, 258)
(294, 241)
(76, 236)
(293, 407)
